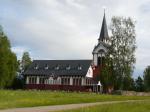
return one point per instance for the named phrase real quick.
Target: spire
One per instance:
(104, 31)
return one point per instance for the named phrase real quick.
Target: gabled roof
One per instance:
(59, 67)
(107, 46)
(104, 31)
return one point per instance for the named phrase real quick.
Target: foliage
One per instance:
(25, 61)
(147, 78)
(106, 75)
(132, 85)
(139, 84)
(18, 83)
(122, 50)
(19, 98)
(8, 62)
(140, 106)
(128, 83)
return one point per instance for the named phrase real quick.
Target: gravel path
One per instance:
(62, 107)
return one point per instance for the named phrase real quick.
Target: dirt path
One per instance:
(62, 107)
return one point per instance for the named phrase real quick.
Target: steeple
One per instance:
(104, 31)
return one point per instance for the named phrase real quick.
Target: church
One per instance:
(70, 75)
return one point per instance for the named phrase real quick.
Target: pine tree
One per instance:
(139, 84)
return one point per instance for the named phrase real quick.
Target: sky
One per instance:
(69, 29)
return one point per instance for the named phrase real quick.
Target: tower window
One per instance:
(101, 60)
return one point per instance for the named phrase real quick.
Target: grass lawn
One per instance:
(143, 106)
(13, 99)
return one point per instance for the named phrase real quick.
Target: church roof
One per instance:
(59, 67)
(104, 31)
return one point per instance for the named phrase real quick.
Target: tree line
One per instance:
(116, 73)
(10, 67)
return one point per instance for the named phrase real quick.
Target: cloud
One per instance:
(69, 29)
(19, 51)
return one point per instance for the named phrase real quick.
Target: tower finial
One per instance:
(104, 11)
(104, 7)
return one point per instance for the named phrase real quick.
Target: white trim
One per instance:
(27, 80)
(37, 80)
(83, 81)
(71, 81)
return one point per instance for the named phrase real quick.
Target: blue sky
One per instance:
(69, 29)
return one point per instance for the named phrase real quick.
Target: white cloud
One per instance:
(19, 51)
(69, 29)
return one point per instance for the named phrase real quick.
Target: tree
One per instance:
(128, 83)
(139, 84)
(8, 61)
(106, 76)
(123, 46)
(25, 61)
(132, 85)
(18, 82)
(147, 78)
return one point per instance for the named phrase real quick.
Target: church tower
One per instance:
(101, 48)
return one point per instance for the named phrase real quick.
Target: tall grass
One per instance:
(13, 99)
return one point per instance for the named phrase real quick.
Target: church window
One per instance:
(65, 81)
(77, 81)
(32, 80)
(41, 80)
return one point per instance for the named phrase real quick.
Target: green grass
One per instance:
(143, 106)
(13, 99)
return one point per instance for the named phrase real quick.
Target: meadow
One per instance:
(139, 106)
(32, 98)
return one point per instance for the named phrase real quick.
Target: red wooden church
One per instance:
(70, 75)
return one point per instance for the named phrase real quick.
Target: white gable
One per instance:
(100, 47)
(89, 72)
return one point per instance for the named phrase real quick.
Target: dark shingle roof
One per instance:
(58, 67)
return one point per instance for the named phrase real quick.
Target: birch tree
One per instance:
(123, 46)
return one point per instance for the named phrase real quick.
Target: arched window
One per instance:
(101, 58)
